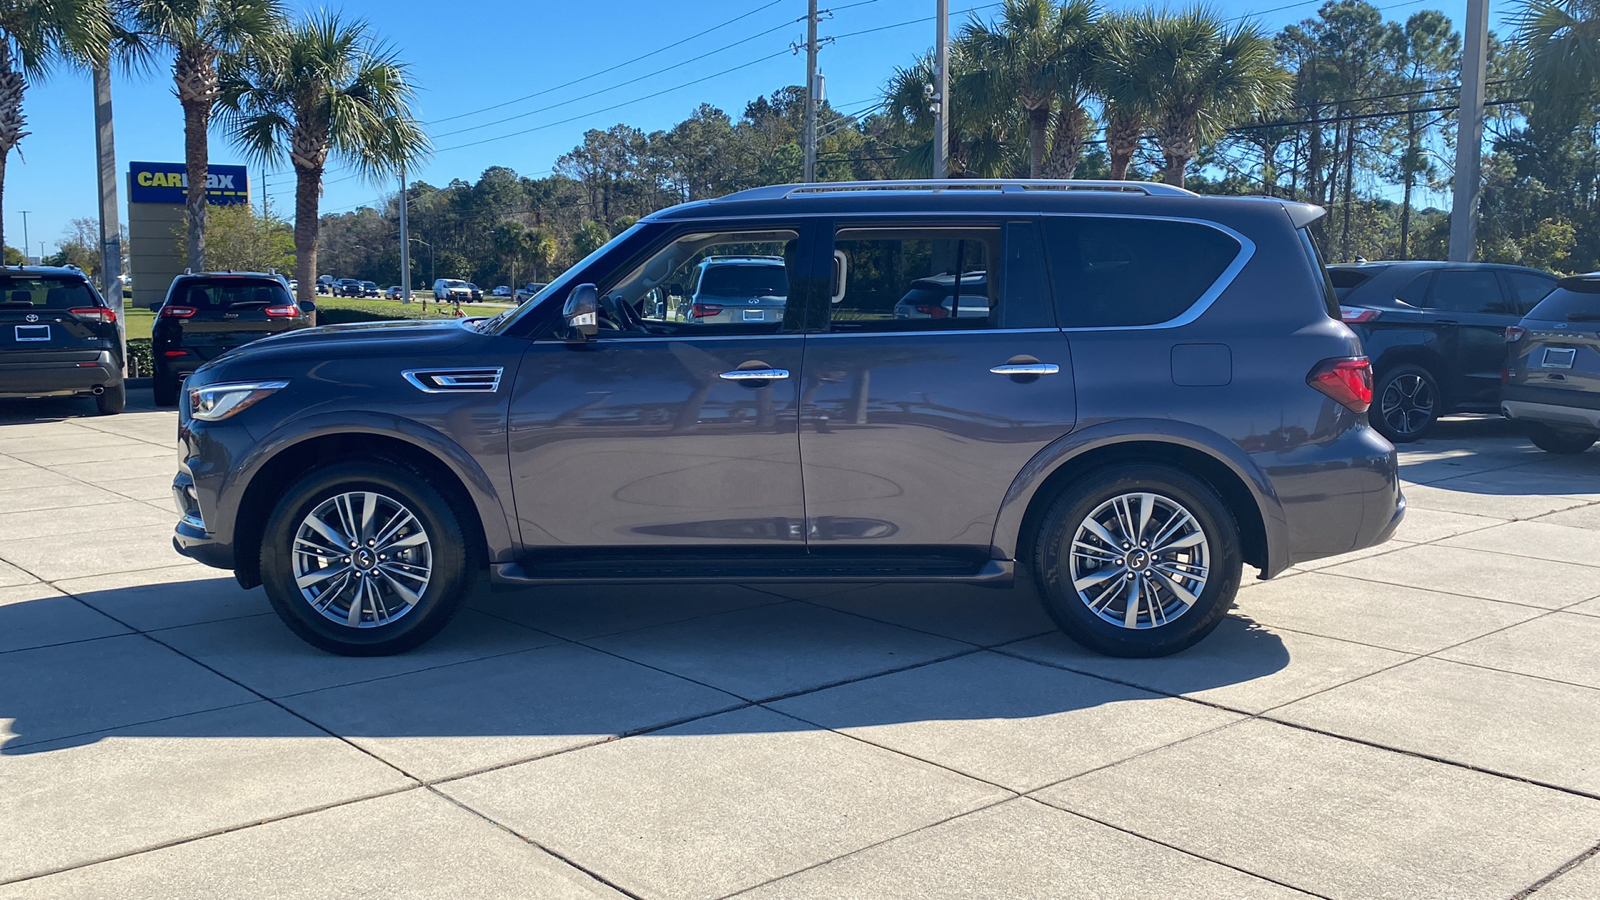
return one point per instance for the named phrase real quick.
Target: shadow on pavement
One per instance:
(486, 676)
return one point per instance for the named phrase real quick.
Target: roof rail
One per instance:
(784, 191)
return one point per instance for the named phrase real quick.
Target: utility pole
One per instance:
(810, 125)
(405, 242)
(941, 90)
(1469, 133)
(25, 244)
(110, 224)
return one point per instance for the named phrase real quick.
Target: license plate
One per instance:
(32, 333)
(754, 315)
(1556, 358)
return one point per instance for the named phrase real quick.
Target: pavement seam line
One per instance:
(1563, 869)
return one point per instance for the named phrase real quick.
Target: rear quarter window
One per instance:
(1111, 272)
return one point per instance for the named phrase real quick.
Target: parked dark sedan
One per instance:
(58, 338)
(1435, 332)
(1161, 392)
(206, 315)
(1553, 374)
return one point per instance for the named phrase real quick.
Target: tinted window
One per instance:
(1415, 291)
(1112, 272)
(731, 282)
(910, 279)
(1330, 296)
(232, 293)
(1346, 280)
(1469, 291)
(1528, 289)
(1570, 303)
(744, 280)
(44, 293)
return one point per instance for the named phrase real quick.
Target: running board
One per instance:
(703, 570)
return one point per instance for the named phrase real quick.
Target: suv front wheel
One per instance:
(365, 559)
(1137, 560)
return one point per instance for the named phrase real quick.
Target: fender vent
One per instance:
(455, 381)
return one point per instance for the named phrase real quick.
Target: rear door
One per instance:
(913, 429)
(38, 322)
(1473, 302)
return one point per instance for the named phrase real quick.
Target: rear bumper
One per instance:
(1341, 496)
(1551, 413)
(71, 375)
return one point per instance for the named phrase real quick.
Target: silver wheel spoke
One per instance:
(362, 559)
(1178, 590)
(1100, 531)
(1131, 618)
(1150, 575)
(1095, 553)
(1180, 543)
(1094, 578)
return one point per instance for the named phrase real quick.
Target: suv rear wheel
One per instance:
(365, 559)
(112, 400)
(1137, 560)
(1556, 440)
(1405, 403)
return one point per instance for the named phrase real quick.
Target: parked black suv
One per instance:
(58, 337)
(206, 315)
(1553, 376)
(1435, 332)
(1160, 391)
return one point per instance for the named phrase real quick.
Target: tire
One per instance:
(439, 571)
(1163, 621)
(1556, 440)
(113, 401)
(1405, 403)
(164, 389)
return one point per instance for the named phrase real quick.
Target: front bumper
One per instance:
(68, 376)
(191, 538)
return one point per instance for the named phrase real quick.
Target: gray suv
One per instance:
(1159, 392)
(1553, 374)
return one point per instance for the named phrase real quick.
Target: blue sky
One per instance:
(472, 54)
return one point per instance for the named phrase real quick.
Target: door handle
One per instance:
(1026, 369)
(755, 375)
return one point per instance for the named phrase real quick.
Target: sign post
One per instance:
(157, 193)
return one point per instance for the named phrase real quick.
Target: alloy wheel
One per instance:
(362, 559)
(1407, 404)
(1139, 560)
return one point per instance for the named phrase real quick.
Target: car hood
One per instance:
(357, 339)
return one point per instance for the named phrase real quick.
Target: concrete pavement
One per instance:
(1417, 720)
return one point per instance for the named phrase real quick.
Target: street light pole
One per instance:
(1469, 133)
(405, 243)
(941, 91)
(25, 243)
(810, 123)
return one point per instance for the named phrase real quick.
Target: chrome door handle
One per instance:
(1027, 369)
(755, 375)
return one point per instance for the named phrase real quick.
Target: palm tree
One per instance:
(1561, 42)
(1037, 55)
(319, 86)
(198, 33)
(36, 35)
(1124, 92)
(1198, 76)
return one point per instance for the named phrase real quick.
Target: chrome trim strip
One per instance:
(941, 333)
(485, 380)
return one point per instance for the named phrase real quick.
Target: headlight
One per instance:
(216, 402)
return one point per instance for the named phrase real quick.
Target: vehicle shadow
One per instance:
(634, 665)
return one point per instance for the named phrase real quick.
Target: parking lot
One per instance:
(1414, 721)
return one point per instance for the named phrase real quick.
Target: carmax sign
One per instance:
(165, 183)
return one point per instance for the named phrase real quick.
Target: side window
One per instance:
(917, 279)
(1527, 289)
(722, 282)
(1414, 293)
(1113, 272)
(1469, 291)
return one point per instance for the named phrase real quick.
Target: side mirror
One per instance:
(308, 306)
(155, 307)
(582, 311)
(675, 290)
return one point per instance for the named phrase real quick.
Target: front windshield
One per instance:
(563, 281)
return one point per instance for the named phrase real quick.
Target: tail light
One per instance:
(175, 353)
(1355, 315)
(1514, 333)
(933, 311)
(1347, 380)
(701, 310)
(177, 312)
(97, 313)
(282, 312)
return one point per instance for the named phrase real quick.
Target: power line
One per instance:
(958, 12)
(658, 50)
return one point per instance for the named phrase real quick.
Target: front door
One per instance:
(940, 374)
(675, 426)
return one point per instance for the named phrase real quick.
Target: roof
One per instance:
(981, 196)
(58, 271)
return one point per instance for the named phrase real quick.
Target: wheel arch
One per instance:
(263, 477)
(1242, 486)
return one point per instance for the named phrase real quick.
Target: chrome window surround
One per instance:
(484, 380)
